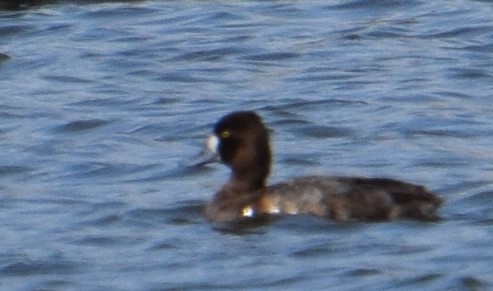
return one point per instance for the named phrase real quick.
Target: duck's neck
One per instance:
(248, 181)
(255, 174)
(251, 173)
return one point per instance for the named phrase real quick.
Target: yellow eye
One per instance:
(225, 134)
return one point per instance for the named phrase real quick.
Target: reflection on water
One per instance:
(105, 104)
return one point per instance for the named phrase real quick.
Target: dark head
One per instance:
(243, 144)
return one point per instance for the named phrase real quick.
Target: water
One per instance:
(104, 104)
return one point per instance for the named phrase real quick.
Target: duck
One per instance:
(9, 4)
(241, 141)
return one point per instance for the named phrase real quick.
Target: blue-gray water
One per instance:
(104, 104)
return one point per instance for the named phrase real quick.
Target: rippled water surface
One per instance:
(105, 104)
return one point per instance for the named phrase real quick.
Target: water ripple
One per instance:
(81, 125)
(30, 268)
